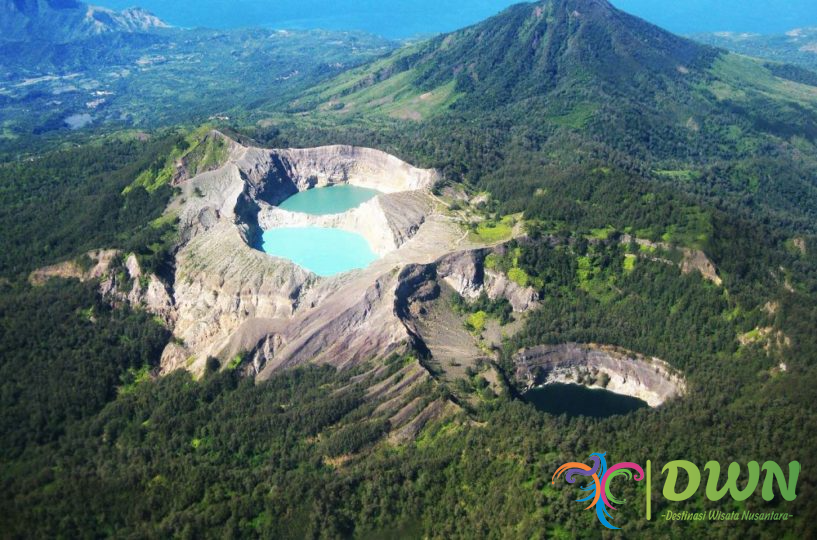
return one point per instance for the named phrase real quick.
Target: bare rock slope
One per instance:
(121, 280)
(231, 300)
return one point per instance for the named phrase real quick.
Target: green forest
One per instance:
(223, 456)
(92, 446)
(718, 156)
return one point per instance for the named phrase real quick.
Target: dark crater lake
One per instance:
(576, 400)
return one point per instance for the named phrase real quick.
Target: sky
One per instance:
(406, 18)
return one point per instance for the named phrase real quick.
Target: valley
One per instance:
(154, 76)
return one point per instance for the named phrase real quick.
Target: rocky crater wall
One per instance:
(233, 299)
(363, 167)
(275, 175)
(617, 370)
(269, 177)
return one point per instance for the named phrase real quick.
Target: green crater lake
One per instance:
(576, 400)
(324, 251)
(328, 200)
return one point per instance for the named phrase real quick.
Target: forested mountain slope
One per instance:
(572, 81)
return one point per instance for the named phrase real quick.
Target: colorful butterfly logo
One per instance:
(599, 489)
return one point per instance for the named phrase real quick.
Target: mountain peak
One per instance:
(573, 61)
(68, 20)
(529, 48)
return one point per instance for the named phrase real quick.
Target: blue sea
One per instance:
(407, 18)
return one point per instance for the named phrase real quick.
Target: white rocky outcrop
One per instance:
(100, 263)
(140, 290)
(498, 285)
(465, 272)
(147, 291)
(692, 260)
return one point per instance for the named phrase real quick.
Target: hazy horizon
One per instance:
(406, 18)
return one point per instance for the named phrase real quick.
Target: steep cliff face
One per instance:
(692, 260)
(465, 272)
(220, 283)
(147, 291)
(277, 174)
(364, 167)
(617, 370)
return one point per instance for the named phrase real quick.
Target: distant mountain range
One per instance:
(798, 45)
(60, 21)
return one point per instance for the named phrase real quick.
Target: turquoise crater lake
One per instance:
(325, 251)
(328, 200)
(322, 250)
